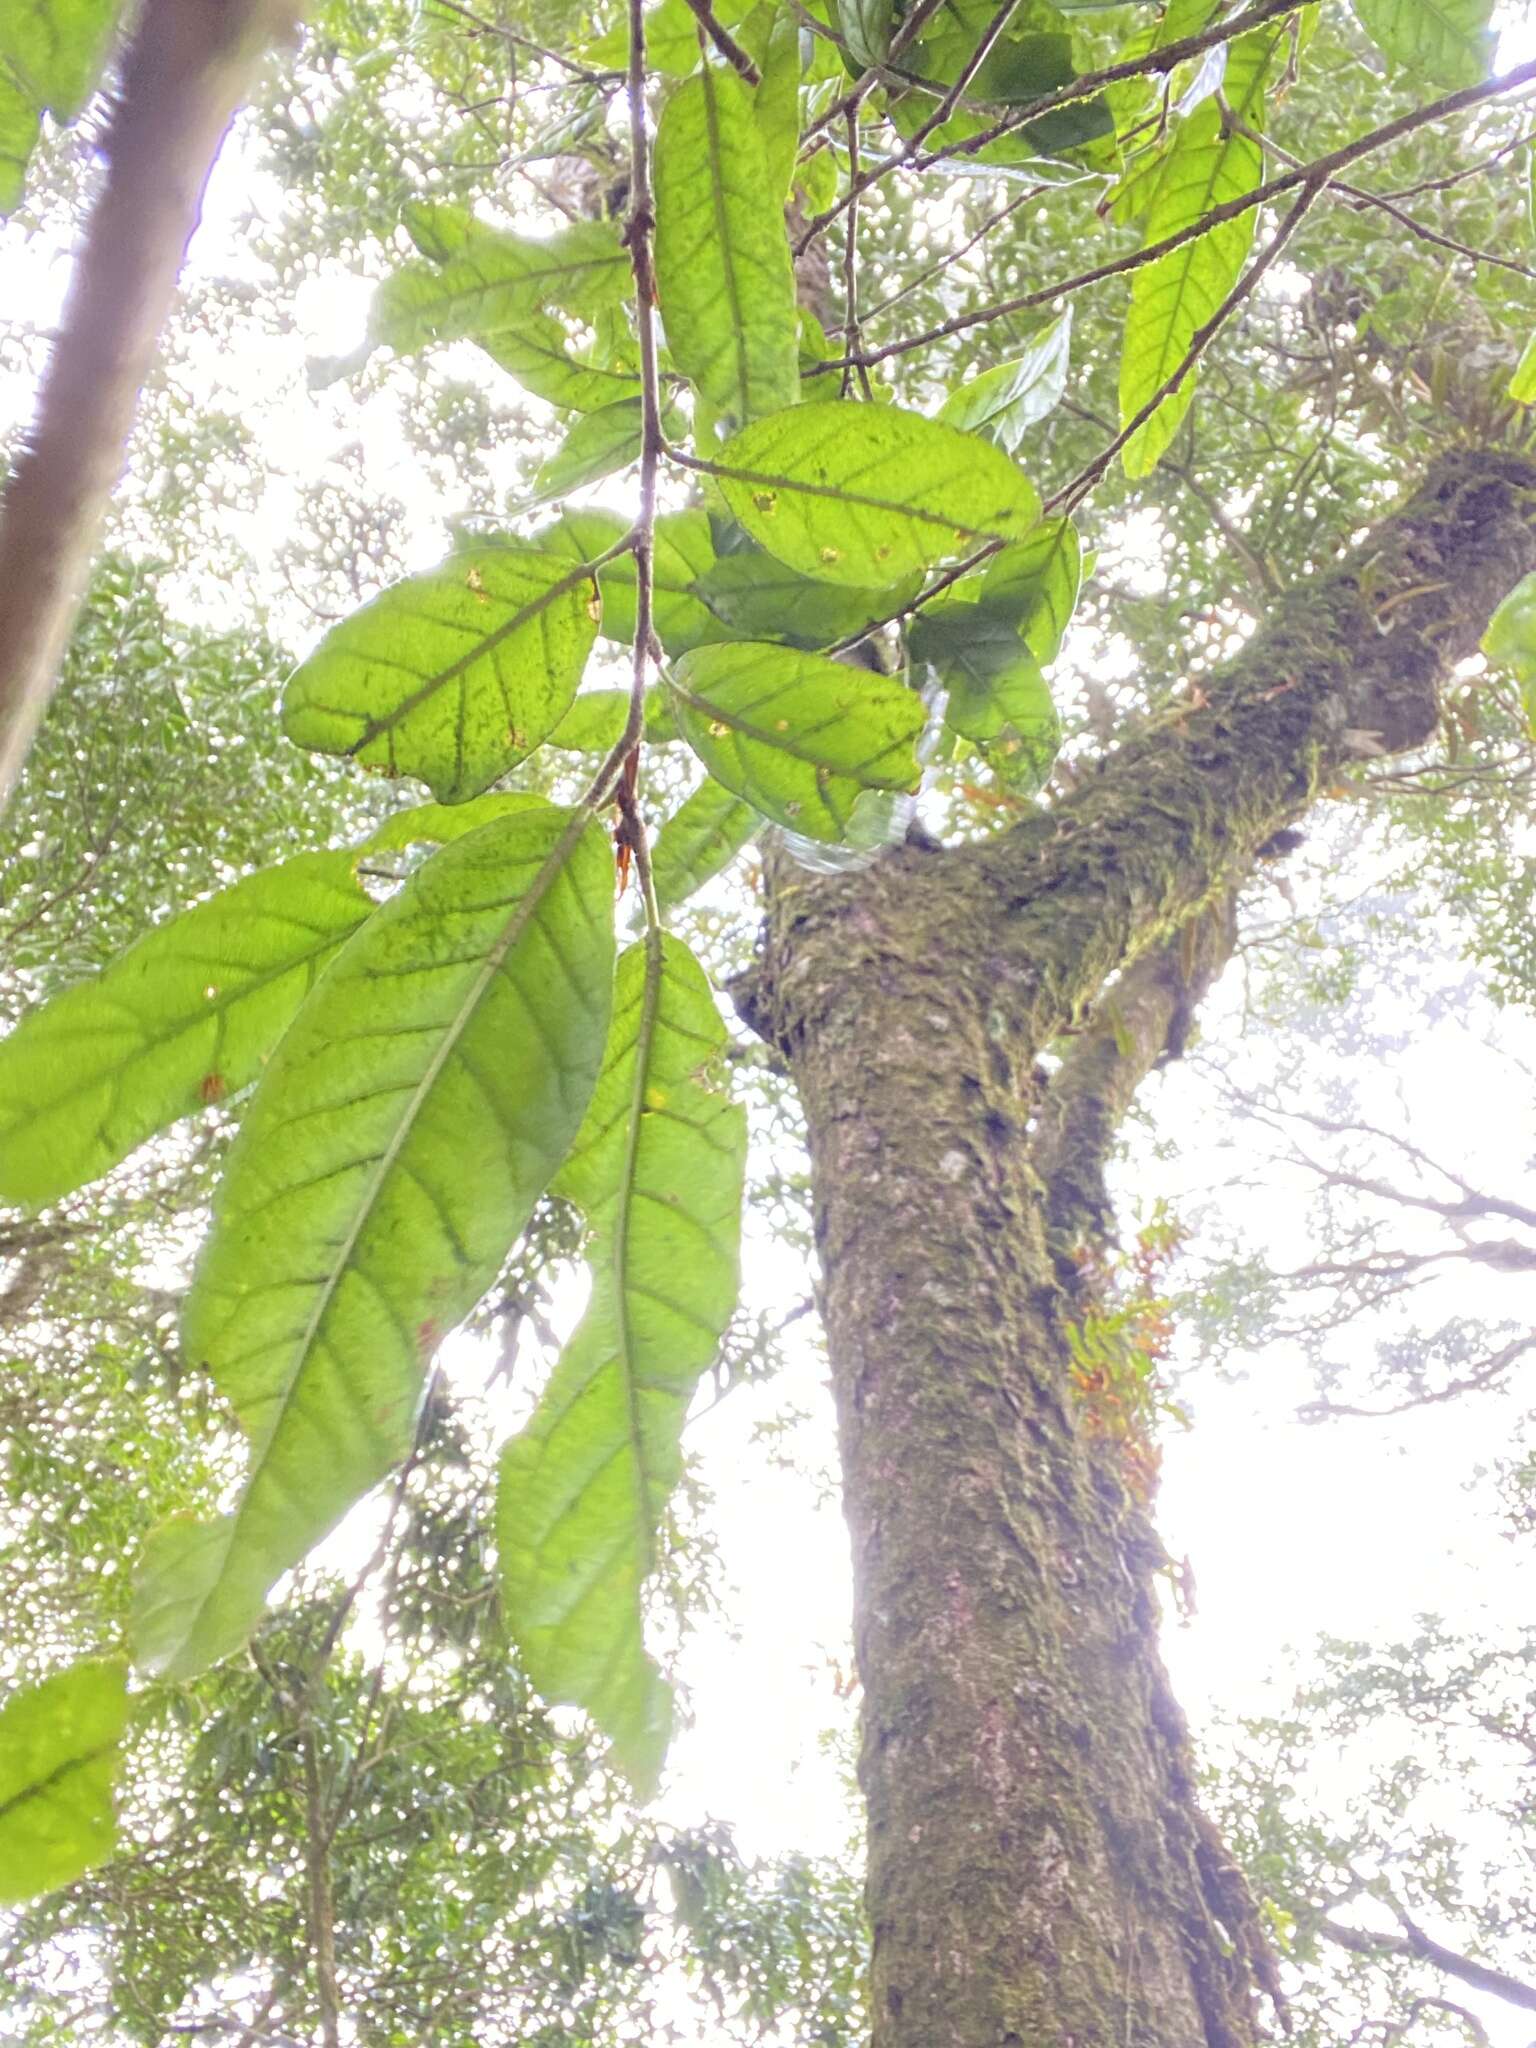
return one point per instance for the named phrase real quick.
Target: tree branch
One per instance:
(1414, 1942)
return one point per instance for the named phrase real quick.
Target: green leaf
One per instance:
(702, 837)
(1522, 386)
(1035, 585)
(58, 1763)
(724, 278)
(536, 352)
(597, 445)
(182, 1019)
(453, 676)
(477, 281)
(757, 598)
(867, 494)
(1004, 402)
(658, 1169)
(771, 32)
(416, 1109)
(1172, 298)
(998, 698)
(436, 824)
(671, 36)
(51, 54)
(683, 553)
(1444, 42)
(797, 735)
(596, 721)
(865, 27)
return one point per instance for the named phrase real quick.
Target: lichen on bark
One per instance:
(1039, 1869)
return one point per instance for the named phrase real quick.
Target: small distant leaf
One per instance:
(1035, 585)
(723, 272)
(1004, 402)
(702, 837)
(183, 1019)
(476, 281)
(865, 27)
(50, 58)
(797, 735)
(683, 553)
(658, 1168)
(58, 1763)
(1444, 42)
(411, 1117)
(867, 494)
(453, 676)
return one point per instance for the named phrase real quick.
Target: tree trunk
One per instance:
(1039, 1871)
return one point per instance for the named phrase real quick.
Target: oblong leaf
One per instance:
(183, 1019)
(58, 1763)
(658, 1169)
(702, 837)
(50, 58)
(411, 1117)
(453, 676)
(682, 552)
(1003, 402)
(724, 278)
(537, 353)
(1446, 42)
(797, 735)
(867, 494)
(1035, 586)
(476, 281)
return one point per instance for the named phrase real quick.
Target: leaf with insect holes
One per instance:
(868, 494)
(50, 58)
(700, 839)
(453, 676)
(657, 1167)
(997, 698)
(724, 279)
(58, 1763)
(182, 1019)
(415, 1110)
(799, 736)
(1443, 42)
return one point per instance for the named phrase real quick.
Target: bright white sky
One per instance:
(1352, 1528)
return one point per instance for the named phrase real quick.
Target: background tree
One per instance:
(966, 1024)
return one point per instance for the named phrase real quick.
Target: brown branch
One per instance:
(187, 71)
(724, 41)
(1414, 1942)
(1316, 173)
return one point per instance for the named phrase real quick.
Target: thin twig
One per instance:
(1322, 170)
(724, 41)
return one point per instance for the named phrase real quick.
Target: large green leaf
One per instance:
(1035, 585)
(1004, 402)
(682, 553)
(453, 676)
(758, 598)
(475, 281)
(51, 53)
(724, 278)
(182, 1019)
(867, 494)
(420, 1102)
(997, 697)
(598, 444)
(1173, 297)
(657, 1167)
(536, 352)
(797, 735)
(865, 27)
(702, 837)
(58, 1762)
(1445, 42)
(1511, 642)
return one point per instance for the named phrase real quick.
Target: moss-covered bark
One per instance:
(1039, 1871)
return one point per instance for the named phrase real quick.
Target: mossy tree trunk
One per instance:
(1039, 1871)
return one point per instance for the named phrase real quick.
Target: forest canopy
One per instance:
(750, 742)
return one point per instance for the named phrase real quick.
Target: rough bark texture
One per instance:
(1039, 1871)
